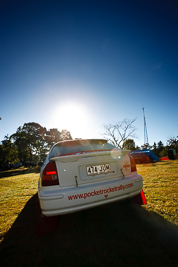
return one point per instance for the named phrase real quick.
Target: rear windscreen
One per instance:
(63, 150)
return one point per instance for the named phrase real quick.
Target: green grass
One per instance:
(161, 188)
(117, 234)
(15, 191)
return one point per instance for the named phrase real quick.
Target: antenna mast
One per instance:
(145, 129)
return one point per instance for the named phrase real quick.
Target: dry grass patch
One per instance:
(15, 191)
(161, 188)
(116, 234)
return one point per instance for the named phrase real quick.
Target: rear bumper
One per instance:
(58, 201)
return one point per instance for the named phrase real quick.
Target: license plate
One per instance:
(98, 169)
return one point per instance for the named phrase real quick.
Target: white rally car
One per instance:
(80, 174)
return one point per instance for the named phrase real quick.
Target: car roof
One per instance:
(80, 142)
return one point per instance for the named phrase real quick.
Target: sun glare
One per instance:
(74, 118)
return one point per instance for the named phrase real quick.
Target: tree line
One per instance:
(30, 143)
(122, 135)
(158, 148)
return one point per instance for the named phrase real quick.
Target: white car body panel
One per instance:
(80, 189)
(56, 201)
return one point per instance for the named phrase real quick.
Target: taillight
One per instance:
(133, 165)
(49, 175)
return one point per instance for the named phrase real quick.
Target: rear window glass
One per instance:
(74, 148)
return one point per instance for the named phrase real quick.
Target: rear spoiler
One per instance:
(84, 154)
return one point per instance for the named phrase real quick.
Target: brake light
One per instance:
(49, 175)
(133, 165)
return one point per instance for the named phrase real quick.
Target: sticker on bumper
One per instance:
(104, 192)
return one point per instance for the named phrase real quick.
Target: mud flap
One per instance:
(139, 199)
(45, 225)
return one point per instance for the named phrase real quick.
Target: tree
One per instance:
(160, 145)
(30, 141)
(173, 143)
(163, 152)
(129, 144)
(65, 135)
(146, 146)
(159, 150)
(118, 133)
(52, 136)
(8, 151)
(154, 147)
(34, 141)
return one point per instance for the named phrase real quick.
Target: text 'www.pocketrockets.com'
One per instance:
(100, 192)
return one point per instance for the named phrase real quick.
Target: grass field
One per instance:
(16, 188)
(116, 234)
(161, 188)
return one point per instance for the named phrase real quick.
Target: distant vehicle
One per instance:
(29, 164)
(9, 166)
(80, 174)
(16, 165)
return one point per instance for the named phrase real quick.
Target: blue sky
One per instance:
(78, 65)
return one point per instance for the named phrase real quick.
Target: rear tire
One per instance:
(45, 225)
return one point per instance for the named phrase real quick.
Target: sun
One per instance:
(73, 117)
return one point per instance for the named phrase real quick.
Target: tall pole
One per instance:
(145, 129)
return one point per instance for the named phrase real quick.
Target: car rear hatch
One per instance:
(86, 168)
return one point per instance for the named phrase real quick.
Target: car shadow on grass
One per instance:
(118, 234)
